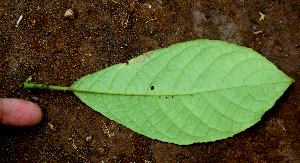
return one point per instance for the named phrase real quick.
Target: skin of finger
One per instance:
(19, 113)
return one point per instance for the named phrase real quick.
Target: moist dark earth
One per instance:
(58, 50)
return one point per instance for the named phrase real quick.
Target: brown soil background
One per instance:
(57, 50)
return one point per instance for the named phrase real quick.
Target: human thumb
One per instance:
(19, 113)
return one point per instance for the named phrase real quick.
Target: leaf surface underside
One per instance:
(196, 91)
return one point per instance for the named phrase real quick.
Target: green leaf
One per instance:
(197, 91)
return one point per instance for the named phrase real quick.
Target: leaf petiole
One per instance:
(28, 85)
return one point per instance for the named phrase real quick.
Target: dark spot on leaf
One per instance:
(192, 96)
(152, 88)
(172, 96)
(166, 97)
(159, 97)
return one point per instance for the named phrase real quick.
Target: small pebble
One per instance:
(52, 127)
(88, 139)
(69, 14)
(130, 135)
(35, 98)
(101, 150)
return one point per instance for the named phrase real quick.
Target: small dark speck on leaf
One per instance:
(192, 96)
(152, 88)
(172, 96)
(166, 97)
(159, 97)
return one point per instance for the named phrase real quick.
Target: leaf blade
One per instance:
(195, 91)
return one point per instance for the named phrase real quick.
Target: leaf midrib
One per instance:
(164, 94)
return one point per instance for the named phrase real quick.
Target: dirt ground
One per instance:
(59, 50)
